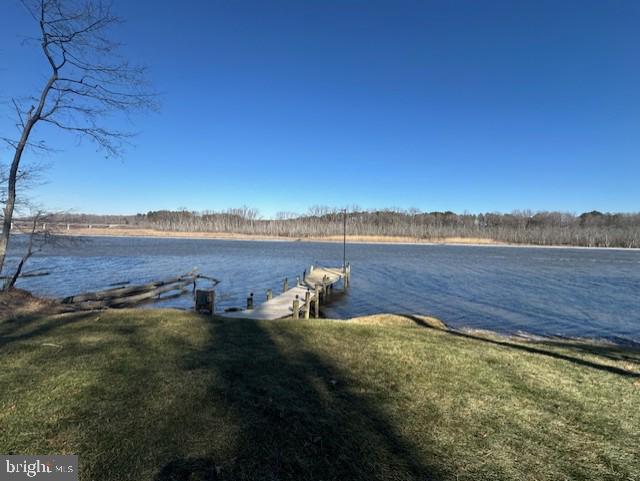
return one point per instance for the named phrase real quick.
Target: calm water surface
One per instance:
(574, 292)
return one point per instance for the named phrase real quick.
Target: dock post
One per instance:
(250, 301)
(347, 276)
(205, 301)
(317, 303)
(285, 285)
(307, 304)
(269, 294)
(296, 308)
(297, 281)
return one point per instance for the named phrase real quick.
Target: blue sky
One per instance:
(280, 105)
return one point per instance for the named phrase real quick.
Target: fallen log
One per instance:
(27, 274)
(126, 291)
(137, 298)
(124, 296)
(180, 293)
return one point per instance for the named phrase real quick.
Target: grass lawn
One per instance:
(168, 395)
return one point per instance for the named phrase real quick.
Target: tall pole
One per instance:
(344, 240)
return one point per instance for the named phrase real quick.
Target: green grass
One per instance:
(167, 395)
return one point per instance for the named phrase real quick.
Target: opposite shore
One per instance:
(351, 239)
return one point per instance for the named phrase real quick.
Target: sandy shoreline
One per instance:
(351, 239)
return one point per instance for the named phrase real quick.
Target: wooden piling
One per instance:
(269, 294)
(205, 300)
(347, 276)
(201, 300)
(296, 308)
(285, 285)
(307, 304)
(317, 302)
(250, 301)
(297, 280)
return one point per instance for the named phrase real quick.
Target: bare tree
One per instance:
(38, 238)
(87, 80)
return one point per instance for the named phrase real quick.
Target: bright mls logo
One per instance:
(50, 468)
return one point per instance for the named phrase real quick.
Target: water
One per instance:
(571, 292)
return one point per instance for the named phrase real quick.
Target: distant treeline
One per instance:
(593, 229)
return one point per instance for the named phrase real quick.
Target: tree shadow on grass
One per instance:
(34, 326)
(628, 352)
(611, 352)
(297, 417)
(170, 397)
(190, 468)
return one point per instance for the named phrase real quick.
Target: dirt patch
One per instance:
(18, 303)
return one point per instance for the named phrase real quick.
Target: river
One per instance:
(549, 291)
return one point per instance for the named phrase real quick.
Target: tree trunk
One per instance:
(14, 278)
(13, 173)
(11, 194)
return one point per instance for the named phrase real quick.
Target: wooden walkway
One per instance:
(315, 285)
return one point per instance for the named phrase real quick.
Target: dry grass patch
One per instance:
(364, 239)
(396, 320)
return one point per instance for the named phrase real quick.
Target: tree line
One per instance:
(592, 229)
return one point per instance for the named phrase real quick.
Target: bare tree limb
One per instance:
(18, 112)
(11, 282)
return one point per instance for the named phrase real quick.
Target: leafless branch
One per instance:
(18, 112)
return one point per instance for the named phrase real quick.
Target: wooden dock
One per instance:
(300, 301)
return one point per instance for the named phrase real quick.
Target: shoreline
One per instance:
(20, 303)
(351, 239)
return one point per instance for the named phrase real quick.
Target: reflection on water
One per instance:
(576, 292)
